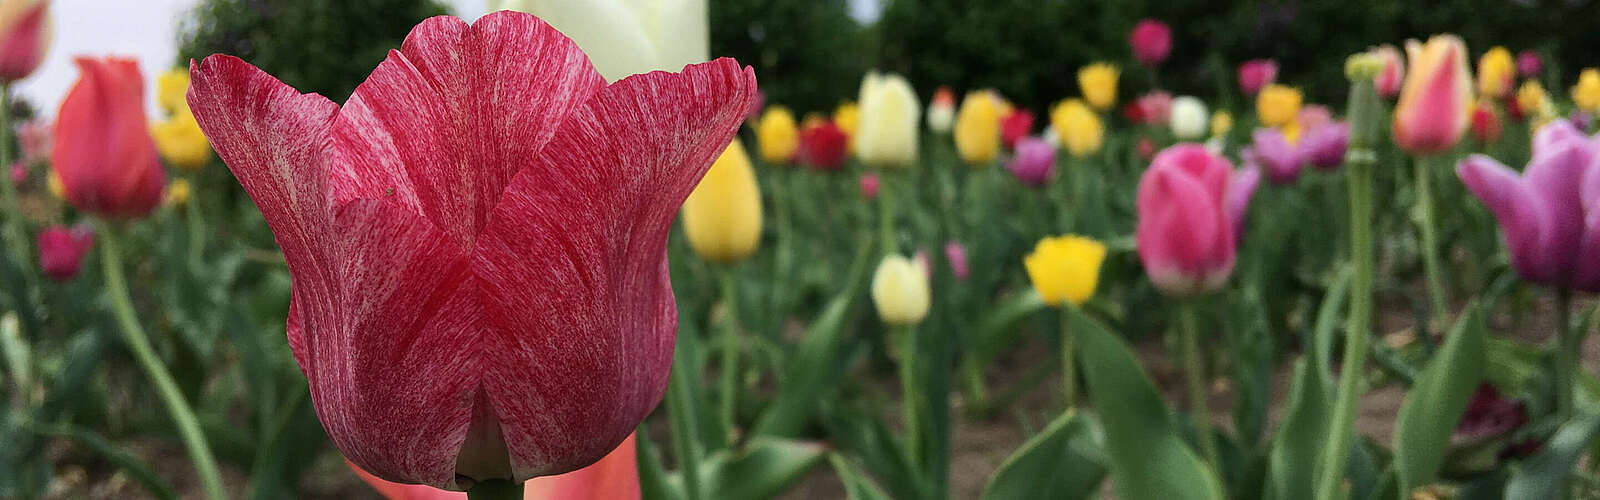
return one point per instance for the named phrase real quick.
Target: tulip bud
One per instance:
(1530, 97)
(942, 110)
(1065, 269)
(1277, 105)
(61, 251)
(1015, 125)
(956, 256)
(1488, 415)
(1077, 127)
(1485, 124)
(869, 186)
(1221, 123)
(777, 136)
(25, 35)
(1256, 74)
(1364, 65)
(102, 149)
(1496, 73)
(823, 146)
(1186, 235)
(1528, 64)
(627, 38)
(900, 291)
(1033, 162)
(1098, 83)
(722, 216)
(1392, 76)
(1325, 147)
(977, 129)
(1432, 113)
(1189, 118)
(1151, 41)
(887, 136)
(1586, 94)
(177, 193)
(1272, 151)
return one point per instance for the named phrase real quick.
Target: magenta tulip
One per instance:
(61, 251)
(477, 240)
(1550, 214)
(1257, 73)
(1528, 64)
(1270, 150)
(1151, 41)
(1324, 147)
(1189, 201)
(1033, 162)
(956, 255)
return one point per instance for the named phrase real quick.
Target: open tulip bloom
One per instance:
(477, 240)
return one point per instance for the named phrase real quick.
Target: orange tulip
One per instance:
(1436, 100)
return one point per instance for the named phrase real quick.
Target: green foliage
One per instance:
(1440, 397)
(808, 54)
(312, 45)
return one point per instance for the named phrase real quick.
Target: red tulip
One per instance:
(24, 36)
(1188, 203)
(823, 146)
(615, 477)
(61, 251)
(1151, 41)
(477, 240)
(1485, 124)
(1015, 125)
(1255, 74)
(102, 149)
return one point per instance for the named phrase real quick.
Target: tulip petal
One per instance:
(1587, 277)
(620, 167)
(447, 120)
(615, 477)
(1552, 136)
(1241, 188)
(1521, 217)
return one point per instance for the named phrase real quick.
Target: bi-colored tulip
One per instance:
(1528, 64)
(956, 255)
(627, 37)
(942, 110)
(1033, 162)
(1065, 269)
(1432, 114)
(1389, 79)
(615, 477)
(777, 136)
(1586, 94)
(887, 134)
(102, 150)
(1151, 41)
(977, 129)
(1098, 84)
(61, 250)
(1189, 118)
(1257, 74)
(1078, 127)
(1324, 147)
(499, 213)
(900, 291)
(1014, 126)
(1486, 125)
(1496, 73)
(1278, 105)
(1271, 150)
(722, 217)
(25, 35)
(823, 146)
(1188, 202)
(1550, 213)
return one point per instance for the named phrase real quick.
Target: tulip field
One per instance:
(538, 255)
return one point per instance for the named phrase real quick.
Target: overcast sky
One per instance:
(146, 30)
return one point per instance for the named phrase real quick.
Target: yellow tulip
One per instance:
(977, 128)
(1530, 96)
(53, 184)
(777, 136)
(900, 291)
(180, 141)
(177, 193)
(1065, 269)
(1495, 72)
(890, 114)
(848, 118)
(1221, 123)
(722, 216)
(1277, 105)
(1098, 83)
(1078, 127)
(172, 89)
(1586, 94)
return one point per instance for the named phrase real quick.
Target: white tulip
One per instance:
(626, 37)
(887, 133)
(1189, 119)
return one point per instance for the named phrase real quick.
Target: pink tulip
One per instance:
(1270, 150)
(61, 251)
(1431, 116)
(477, 239)
(1033, 162)
(1389, 79)
(1528, 64)
(615, 477)
(1189, 201)
(1550, 214)
(24, 36)
(1155, 108)
(1313, 117)
(869, 186)
(1255, 74)
(956, 255)
(1151, 41)
(102, 149)
(1324, 147)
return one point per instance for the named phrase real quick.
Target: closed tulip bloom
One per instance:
(477, 240)
(977, 129)
(956, 255)
(25, 35)
(900, 291)
(777, 135)
(722, 216)
(1278, 105)
(1485, 124)
(615, 477)
(1078, 128)
(61, 251)
(1528, 64)
(1388, 80)
(823, 146)
(1186, 235)
(172, 91)
(627, 37)
(1014, 126)
(887, 134)
(1098, 83)
(181, 142)
(1530, 97)
(1269, 149)
(1221, 123)
(178, 193)
(1189, 118)
(1033, 162)
(1065, 269)
(1586, 94)
(1257, 74)
(869, 186)
(1496, 73)
(1151, 41)
(1432, 113)
(942, 110)
(102, 151)
(1550, 213)
(1324, 147)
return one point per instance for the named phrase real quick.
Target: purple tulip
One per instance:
(1529, 64)
(1324, 147)
(1550, 214)
(1272, 151)
(1033, 161)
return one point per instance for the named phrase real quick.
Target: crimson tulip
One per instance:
(477, 240)
(1151, 41)
(101, 148)
(1014, 126)
(1189, 201)
(823, 146)
(61, 251)
(1486, 124)
(1255, 74)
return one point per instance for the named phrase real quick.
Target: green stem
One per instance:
(1337, 449)
(911, 393)
(886, 212)
(730, 352)
(14, 234)
(685, 432)
(139, 344)
(1567, 354)
(495, 489)
(1069, 365)
(196, 227)
(1429, 243)
(1195, 375)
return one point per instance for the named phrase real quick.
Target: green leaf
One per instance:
(1148, 457)
(1435, 404)
(17, 354)
(1545, 475)
(654, 480)
(1297, 448)
(857, 486)
(763, 469)
(129, 463)
(1061, 462)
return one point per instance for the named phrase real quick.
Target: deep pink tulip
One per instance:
(1388, 80)
(1489, 414)
(477, 239)
(1257, 73)
(102, 149)
(1152, 42)
(19, 173)
(1033, 162)
(1016, 125)
(1271, 151)
(61, 250)
(1550, 214)
(1324, 147)
(1528, 64)
(869, 186)
(1189, 201)
(956, 255)
(24, 36)
(615, 477)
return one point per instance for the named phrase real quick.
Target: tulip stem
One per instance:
(1337, 448)
(1429, 246)
(1567, 353)
(730, 352)
(685, 430)
(14, 234)
(495, 489)
(1195, 368)
(196, 226)
(886, 212)
(1069, 364)
(139, 344)
(911, 394)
